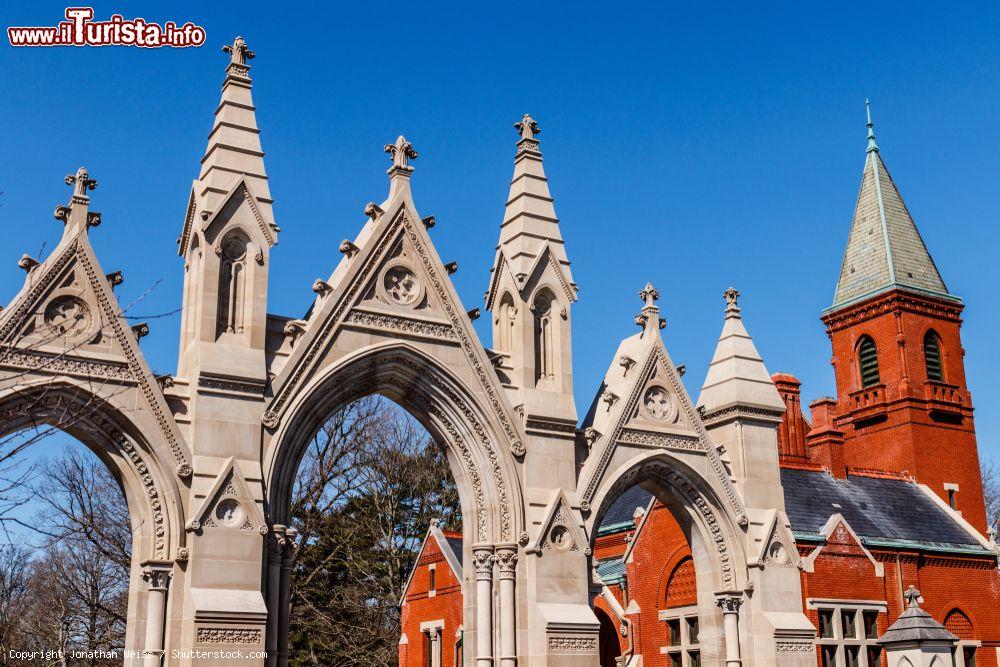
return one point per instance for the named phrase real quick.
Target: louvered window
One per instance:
(932, 356)
(868, 362)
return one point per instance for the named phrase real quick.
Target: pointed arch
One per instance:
(682, 587)
(543, 309)
(484, 472)
(959, 624)
(233, 251)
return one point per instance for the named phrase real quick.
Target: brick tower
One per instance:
(903, 404)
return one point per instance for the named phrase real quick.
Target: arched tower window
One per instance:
(232, 284)
(541, 307)
(506, 318)
(868, 362)
(932, 357)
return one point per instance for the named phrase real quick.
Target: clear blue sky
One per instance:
(693, 146)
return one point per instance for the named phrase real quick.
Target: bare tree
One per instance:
(370, 485)
(991, 490)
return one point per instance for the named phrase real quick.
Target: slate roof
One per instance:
(622, 511)
(883, 512)
(611, 571)
(456, 546)
(884, 249)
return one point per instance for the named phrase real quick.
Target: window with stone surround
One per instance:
(848, 631)
(682, 649)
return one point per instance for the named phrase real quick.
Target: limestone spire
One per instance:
(884, 249)
(737, 375)
(234, 151)
(530, 224)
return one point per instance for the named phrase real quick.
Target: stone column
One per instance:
(506, 557)
(274, 592)
(157, 575)
(288, 547)
(729, 602)
(483, 558)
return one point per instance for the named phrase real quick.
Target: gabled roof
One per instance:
(884, 249)
(884, 512)
(450, 545)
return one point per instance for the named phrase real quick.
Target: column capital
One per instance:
(506, 560)
(483, 558)
(157, 573)
(729, 601)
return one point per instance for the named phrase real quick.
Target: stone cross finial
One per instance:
(649, 294)
(732, 297)
(81, 182)
(912, 596)
(401, 152)
(238, 52)
(527, 127)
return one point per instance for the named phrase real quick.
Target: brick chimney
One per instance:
(793, 428)
(825, 443)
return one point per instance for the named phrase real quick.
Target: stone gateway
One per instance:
(207, 457)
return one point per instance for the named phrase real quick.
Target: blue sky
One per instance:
(695, 146)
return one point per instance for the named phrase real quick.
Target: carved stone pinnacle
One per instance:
(401, 152)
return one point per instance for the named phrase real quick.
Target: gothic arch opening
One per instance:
(545, 343)
(91, 509)
(675, 547)
(232, 315)
(368, 488)
(463, 441)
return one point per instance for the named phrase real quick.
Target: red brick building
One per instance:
(882, 483)
(431, 633)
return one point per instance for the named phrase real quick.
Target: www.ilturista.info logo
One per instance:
(81, 30)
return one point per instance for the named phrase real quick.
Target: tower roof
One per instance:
(234, 152)
(884, 249)
(530, 225)
(737, 375)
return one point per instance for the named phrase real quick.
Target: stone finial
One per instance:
(648, 317)
(401, 152)
(872, 146)
(238, 52)
(81, 182)
(912, 597)
(732, 297)
(528, 128)
(649, 295)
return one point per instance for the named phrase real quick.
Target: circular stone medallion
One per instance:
(401, 285)
(659, 404)
(229, 512)
(68, 317)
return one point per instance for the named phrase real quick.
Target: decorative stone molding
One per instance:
(396, 323)
(562, 644)
(228, 636)
(794, 647)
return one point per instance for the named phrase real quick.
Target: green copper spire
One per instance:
(884, 249)
(872, 146)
